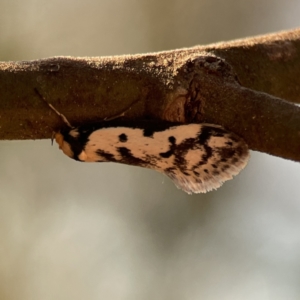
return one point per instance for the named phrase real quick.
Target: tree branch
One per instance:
(224, 83)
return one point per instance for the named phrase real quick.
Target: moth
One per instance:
(197, 157)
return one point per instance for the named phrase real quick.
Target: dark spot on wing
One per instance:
(226, 153)
(206, 156)
(125, 152)
(172, 140)
(170, 170)
(225, 167)
(166, 154)
(208, 153)
(180, 152)
(123, 138)
(107, 156)
(206, 171)
(214, 166)
(129, 158)
(170, 152)
(148, 132)
(209, 131)
(199, 180)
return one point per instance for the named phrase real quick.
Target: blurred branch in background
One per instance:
(240, 85)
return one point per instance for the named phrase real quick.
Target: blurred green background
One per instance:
(108, 231)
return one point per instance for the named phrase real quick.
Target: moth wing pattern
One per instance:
(197, 157)
(213, 156)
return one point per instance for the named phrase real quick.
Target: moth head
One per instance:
(63, 144)
(71, 143)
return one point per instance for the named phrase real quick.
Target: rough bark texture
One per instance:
(240, 85)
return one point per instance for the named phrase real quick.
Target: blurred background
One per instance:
(108, 231)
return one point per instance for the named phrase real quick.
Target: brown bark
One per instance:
(240, 85)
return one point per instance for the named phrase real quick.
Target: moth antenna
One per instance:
(64, 119)
(122, 114)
